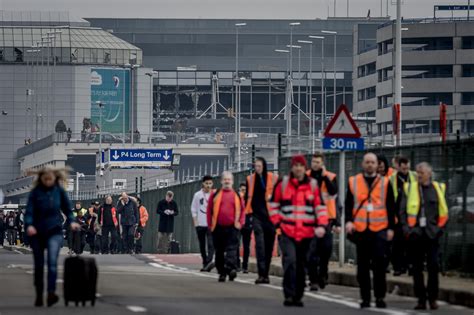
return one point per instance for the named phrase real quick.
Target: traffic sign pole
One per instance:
(341, 196)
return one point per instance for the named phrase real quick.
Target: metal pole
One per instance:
(132, 131)
(123, 106)
(398, 68)
(323, 96)
(335, 81)
(150, 128)
(341, 196)
(291, 53)
(334, 8)
(468, 9)
(77, 185)
(36, 85)
(299, 91)
(347, 6)
(311, 120)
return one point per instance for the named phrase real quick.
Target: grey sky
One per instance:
(238, 9)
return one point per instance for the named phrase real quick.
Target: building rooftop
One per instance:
(40, 18)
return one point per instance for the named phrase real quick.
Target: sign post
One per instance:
(342, 134)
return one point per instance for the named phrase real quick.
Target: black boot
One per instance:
(39, 298)
(52, 299)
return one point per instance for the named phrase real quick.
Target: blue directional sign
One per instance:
(453, 7)
(141, 155)
(343, 144)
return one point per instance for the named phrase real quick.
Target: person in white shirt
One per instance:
(199, 213)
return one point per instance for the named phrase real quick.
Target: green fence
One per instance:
(453, 164)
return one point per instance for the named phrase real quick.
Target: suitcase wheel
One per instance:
(77, 303)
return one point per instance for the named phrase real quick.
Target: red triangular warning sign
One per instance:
(342, 125)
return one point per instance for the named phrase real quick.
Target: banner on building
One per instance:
(110, 87)
(442, 121)
(395, 119)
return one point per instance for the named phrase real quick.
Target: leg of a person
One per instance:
(38, 247)
(130, 234)
(210, 246)
(398, 257)
(201, 234)
(114, 240)
(159, 242)
(325, 256)
(418, 260)
(105, 239)
(231, 247)
(288, 249)
(363, 248)
(98, 243)
(237, 250)
(124, 238)
(2, 236)
(138, 243)
(379, 261)
(301, 254)
(312, 260)
(269, 235)
(219, 243)
(54, 246)
(433, 269)
(166, 242)
(246, 236)
(259, 246)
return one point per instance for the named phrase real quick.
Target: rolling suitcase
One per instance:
(174, 247)
(80, 280)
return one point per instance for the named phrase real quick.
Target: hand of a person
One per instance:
(349, 227)
(337, 229)
(237, 225)
(75, 226)
(31, 231)
(390, 235)
(320, 231)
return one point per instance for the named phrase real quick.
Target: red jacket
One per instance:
(298, 210)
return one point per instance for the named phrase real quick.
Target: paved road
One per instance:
(171, 284)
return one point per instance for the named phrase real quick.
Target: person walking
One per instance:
(260, 188)
(109, 223)
(321, 248)
(246, 231)
(129, 217)
(297, 210)
(75, 239)
(43, 222)
(11, 228)
(2, 228)
(199, 214)
(402, 175)
(370, 219)
(225, 217)
(143, 219)
(167, 209)
(423, 215)
(93, 228)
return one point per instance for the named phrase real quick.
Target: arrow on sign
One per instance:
(166, 156)
(115, 156)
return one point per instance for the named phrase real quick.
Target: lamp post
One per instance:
(288, 94)
(311, 108)
(132, 96)
(78, 175)
(323, 79)
(292, 25)
(100, 105)
(237, 101)
(299, 85)
(334, 68)
(150, 127)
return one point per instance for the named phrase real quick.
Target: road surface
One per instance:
(172, 284)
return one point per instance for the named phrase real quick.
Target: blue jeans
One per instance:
(52, 244)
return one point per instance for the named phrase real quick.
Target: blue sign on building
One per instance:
(343, 144)
(141, 155)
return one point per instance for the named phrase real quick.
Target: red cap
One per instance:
(298, 159)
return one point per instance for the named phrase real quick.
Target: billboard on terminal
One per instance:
(110, 87)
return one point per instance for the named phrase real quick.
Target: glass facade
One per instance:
(77, 45)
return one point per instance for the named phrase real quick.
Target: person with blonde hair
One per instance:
(43, 221)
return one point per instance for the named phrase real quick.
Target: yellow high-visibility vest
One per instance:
(394, 181)
(413, 202)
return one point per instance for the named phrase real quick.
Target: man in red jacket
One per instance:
(225, 217)
(296, 209)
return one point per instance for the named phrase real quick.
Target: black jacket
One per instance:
(166, 221)
(129, 212)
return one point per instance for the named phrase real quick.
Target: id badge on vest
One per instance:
(422, 221)
(370, 207)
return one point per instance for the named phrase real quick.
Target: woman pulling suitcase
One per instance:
(43, 222)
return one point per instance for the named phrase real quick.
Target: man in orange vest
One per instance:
(321, 248)
(260, 188)
(225, 217)
(370, 219)
(143, 218)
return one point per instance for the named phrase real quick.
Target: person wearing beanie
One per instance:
(297, 210)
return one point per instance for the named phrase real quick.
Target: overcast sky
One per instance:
(233, 9)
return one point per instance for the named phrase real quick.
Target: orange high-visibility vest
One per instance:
(329, 200)
(217, 207)
(377, 219)
(251, 188)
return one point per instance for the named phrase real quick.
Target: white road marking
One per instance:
(341, 300)
(136, 309)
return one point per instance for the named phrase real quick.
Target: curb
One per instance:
(403, 288)
(23, 250)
